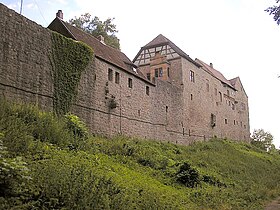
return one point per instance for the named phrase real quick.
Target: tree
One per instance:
(96, 27)
(275, 11)
(262, 140)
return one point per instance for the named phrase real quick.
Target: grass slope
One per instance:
(52, 163)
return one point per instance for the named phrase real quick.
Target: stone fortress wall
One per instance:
(175, 109)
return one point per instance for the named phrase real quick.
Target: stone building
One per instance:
(162, 94)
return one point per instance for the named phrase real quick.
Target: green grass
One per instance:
(59, 169)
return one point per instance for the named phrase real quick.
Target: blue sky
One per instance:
(237, 36)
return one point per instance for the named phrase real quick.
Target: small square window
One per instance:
(110, 74)
(147, 90)
(117, 78)
(129, 82)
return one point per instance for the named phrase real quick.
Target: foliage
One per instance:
(96, 27)
(275, 11)
(262, 140)
(124, 173)
(14, 175)
(21, 125)
(77, 126)
(69, 60)
(187, 175)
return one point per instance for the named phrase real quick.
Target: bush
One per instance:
(76, 126)
(21, 124)
(14, 178)
(187, 176)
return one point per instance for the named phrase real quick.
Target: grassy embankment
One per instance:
(53, 163)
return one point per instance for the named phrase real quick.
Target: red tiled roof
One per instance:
(215, 73)
(102, 51)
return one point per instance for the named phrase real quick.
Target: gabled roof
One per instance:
(102, 51)
(215, 73)
(162, 40)
(234, 81)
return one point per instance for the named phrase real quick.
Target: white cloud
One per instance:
(31, 6)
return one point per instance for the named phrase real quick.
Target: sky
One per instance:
(237, 36)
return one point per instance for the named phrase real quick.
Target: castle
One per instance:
(162, 94)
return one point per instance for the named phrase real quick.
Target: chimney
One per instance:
(211, 65)
(101, 39)
(59, 14)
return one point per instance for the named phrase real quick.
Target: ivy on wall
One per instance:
(69, 59)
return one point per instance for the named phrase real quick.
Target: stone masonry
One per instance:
(162, 94)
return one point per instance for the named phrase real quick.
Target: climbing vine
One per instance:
(69, 59)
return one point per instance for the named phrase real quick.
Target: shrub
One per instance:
(14, 178)
(187, 176)
(76, 126)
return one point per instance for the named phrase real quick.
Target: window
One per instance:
(168, 73)
(228, 92)
(233, 122)
(129, 82)
(191, 76)
(225, 121)
(149, 76)
(110, 74)
(216, 91)
(213, 120)
(221, 96)
(156, 72)
(191, 97)
(160, 72)
(207, 86)
(117, 78)
(147, 90)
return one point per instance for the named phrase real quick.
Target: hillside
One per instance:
(49, 162)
